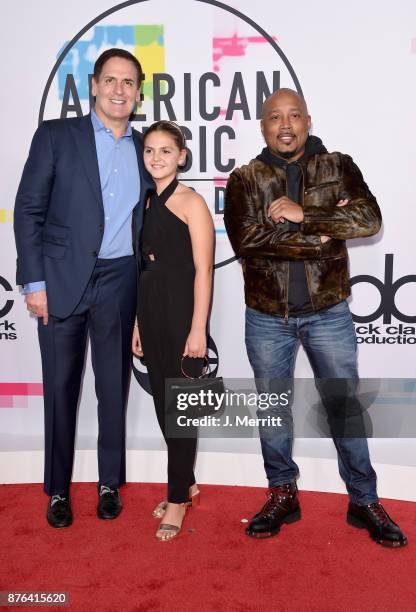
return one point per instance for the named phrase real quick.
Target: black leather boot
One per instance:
(282, 506)
(379, 525)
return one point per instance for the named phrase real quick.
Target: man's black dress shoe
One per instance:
(59, 512)
(109, 503)
(379, 525)
(282, 506)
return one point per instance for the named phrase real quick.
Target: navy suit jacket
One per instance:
(59, 213)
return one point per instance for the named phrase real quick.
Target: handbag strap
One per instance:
(205, 370)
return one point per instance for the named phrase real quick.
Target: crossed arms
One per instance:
(252, 235)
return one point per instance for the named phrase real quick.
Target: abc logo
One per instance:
(213, 360)
(9, 303)
(388, 290)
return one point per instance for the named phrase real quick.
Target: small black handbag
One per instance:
(195, 396)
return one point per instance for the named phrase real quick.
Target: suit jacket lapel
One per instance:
(83, 132)
(84, 138)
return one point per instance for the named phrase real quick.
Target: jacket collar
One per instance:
(313, 146)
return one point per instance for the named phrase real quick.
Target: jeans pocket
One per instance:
(340, 310)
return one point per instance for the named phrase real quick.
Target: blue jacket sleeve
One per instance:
(31, 207)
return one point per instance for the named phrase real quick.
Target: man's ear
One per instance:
(93, 87)
(261, 127)
(309, 122)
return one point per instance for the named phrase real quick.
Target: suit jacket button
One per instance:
(94, 253)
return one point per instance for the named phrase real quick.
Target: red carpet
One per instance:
(319, 563)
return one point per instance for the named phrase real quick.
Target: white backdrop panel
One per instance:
(355, 65)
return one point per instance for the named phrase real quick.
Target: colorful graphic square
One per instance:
(15, 395)
(149, 48)
(6, 215)
(146, 42)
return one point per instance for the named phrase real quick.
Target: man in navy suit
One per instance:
(78, 215)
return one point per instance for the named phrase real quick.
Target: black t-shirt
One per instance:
(299, 301)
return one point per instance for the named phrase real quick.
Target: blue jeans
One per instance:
(328, 337)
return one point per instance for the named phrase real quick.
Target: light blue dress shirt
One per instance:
(120, 188)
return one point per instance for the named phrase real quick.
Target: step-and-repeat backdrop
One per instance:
(209, 66)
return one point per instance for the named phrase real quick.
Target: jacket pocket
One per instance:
(331, 277)
(258, 263)
(56, 234)
(333, 249)
(320, 186)
(57, 251)
(257, 281)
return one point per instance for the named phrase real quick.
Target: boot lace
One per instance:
(380, 514)
(273, 497)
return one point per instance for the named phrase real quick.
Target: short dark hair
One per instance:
(114, 52)
(171, 128)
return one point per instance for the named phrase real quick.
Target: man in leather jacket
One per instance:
(288, 213)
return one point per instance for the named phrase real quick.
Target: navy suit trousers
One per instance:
(106, 313)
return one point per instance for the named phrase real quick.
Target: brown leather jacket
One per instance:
(266, 247)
